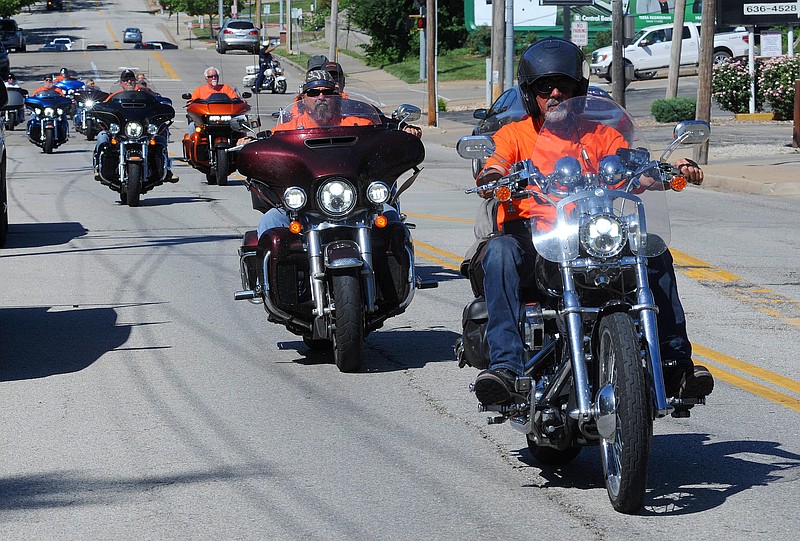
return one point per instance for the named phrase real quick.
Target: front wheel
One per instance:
(222, 167)
(348, 334)
(280, 87)
(134, 185)
(49, 141)
(11, 121)
(626, 445)
(90, 131)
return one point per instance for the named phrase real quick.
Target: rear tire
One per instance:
(12, 120)
(222, 167)
(348, 314)
(625, 457)
(134, 184)
(722, 57)
(552, 456)
(322, 344)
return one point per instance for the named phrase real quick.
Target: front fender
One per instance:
(342, 254)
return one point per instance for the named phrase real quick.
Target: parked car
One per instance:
(509, 108)
(54, 47)
(5, 65)
(132, 35)
(98, 46)
(12, 36)
(239, 34)
(149, 45)
(54, 4)
(63, 40)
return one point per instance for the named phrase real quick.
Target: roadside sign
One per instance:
(762, 13)
(580, 33)
(771, 43)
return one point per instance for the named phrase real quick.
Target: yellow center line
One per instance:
(433, 249)
(171, 73)
(113, 35)
(747, 368)
(756, 388)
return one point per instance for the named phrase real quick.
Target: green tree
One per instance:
(9, 8)
(206, 7)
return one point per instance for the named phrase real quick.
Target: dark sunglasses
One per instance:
(129, 80)
(48, 78)
(314, 92)
(545, 85)
(212, 76)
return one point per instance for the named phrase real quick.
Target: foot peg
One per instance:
(426, 284)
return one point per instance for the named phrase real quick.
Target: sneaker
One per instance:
(495, 387)
(696, 383)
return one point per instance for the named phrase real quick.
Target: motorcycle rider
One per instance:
(264, 60)
(212, 86)
(63, 73)
(47, 85)
(11, 81)
(550, 71)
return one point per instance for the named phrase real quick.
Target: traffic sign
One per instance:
(580, 33)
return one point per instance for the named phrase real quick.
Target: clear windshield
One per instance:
(592, 161)
(327, 111)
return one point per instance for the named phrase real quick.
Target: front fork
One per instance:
(124, 159)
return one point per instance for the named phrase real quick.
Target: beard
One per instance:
(555, 114)
(323, 111)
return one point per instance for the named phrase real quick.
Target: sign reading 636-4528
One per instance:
(758, 13)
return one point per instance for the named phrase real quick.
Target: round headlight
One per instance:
(133, 129)
(603, 235)
(88, 104)
(113, 128)
(294, 198)
(152, 129)
(49, 111)
(38, 111)
(60, 111)
(337, 197)
(378, 193)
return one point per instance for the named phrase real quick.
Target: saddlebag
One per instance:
(474, 346)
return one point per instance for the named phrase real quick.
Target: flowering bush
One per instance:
(777, 77)
(730, 86)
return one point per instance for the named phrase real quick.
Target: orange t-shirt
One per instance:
(45, 89)
(203, 92)
(305, 121)
(589, 142)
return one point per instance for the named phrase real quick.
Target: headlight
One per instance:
(88, 104)
(219, 118)
(113, 129)
(49, 111)
(603, 235)
(337, 197)
(294, 198)
(60, 111)
(133, 129)
(378, 193)
(152, 129)
(38, 111)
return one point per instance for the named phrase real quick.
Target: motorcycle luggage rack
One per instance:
(322, 142)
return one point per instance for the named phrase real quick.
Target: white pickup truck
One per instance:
(649, 50)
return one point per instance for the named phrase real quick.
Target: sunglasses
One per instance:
(314, 92)
(48, 79)
(212, 76)
(545, 86)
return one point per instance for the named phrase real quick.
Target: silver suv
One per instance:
(239, 34)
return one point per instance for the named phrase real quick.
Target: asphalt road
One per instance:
(142, 402)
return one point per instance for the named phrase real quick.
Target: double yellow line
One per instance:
(724, 367)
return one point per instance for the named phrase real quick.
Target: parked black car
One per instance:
(509, 108)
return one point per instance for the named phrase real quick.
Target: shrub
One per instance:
(730, 86)
(441, 104)
(479, 42)
(602, 39)
(674, 109)
(777, 83)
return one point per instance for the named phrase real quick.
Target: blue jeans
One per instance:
(508, 265)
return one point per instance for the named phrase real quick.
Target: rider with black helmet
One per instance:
(551, 71)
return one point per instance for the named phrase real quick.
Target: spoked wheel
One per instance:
(280, 87)
(625, 422)
(134, 184)
(49, 141)
(348, 336)
(550, 455)
(222, 167)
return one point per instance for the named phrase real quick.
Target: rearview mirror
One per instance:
(407, 113)
(692, 132)
(186, 96)
(475, 147)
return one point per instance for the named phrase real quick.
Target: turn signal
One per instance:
(503, 193)
(198, 129)
(678, 183)
(295, 227)
(113, 141)
(152, 142)
(381, 221)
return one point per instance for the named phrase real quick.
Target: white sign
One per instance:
(266, 9)
(770, 9)
(202, 21)
(580, 33)
(297, 13)
(771, 43)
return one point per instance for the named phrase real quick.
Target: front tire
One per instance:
(348, 334)
(222, 167)
(280, 87)
(625, 455)
(134, 190)
(49, 141)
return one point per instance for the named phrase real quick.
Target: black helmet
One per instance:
(548, 57)
(64, 72)
(316, 62)
(337, 73)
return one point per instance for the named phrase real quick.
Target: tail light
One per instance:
(226, 31)
(746, 38)
(253, 32)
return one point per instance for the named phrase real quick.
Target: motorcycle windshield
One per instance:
(597, 192)
(327, 111)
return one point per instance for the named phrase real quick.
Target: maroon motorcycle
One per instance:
(342, 260)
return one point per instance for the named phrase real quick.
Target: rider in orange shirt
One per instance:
(213, 86)
(551, 71)
(48, 85)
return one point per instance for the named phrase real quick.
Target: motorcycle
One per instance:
(206, 148)
(69, 86)
(48, 126)
(134, 160)
(342, 267)
(14, 110)
(85, 100)
(274, 79)
(593, 374)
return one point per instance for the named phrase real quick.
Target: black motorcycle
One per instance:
(48, 126)
(131, 157)
(85, 100)
(14, 110)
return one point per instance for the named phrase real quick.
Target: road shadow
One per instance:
(37, 342)
(435, 273)
(388, 350)
(42, 234)
(687, 473)
(163, 201)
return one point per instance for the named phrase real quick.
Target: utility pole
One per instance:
(704, 68)
(675, 53)
(430, 30)
(509, 56)
(333, 48)
(258, 17)
(289, 34)
(498, 31)
(617, 48)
